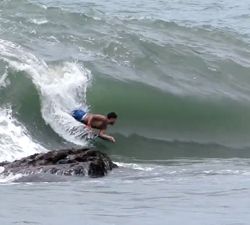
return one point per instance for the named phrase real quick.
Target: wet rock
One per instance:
(80, 162)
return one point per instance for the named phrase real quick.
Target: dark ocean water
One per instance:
(177, 75)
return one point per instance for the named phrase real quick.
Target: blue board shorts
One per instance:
(79, 114)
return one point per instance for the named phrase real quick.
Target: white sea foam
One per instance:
(15, 141)
(62, 88)
(135, 166)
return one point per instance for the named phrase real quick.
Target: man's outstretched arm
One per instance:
(101, 133)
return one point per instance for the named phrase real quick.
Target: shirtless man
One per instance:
(96, 121)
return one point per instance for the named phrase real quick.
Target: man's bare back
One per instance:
(96, 121)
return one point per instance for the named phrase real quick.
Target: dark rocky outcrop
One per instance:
(63, 162)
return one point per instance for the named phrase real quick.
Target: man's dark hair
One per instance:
(112, 115)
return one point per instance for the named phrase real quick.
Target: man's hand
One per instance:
(112, 139)
(106, 136)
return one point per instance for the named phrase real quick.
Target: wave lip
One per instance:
(61, 88)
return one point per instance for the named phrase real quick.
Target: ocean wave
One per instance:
(168, 79)
(60, 88)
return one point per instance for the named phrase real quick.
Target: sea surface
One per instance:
(177, 73)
